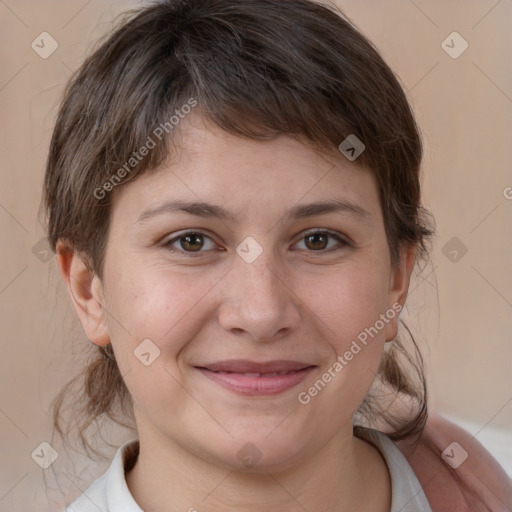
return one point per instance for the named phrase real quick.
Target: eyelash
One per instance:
(342, 242)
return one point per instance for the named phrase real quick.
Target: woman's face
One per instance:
(237, 260)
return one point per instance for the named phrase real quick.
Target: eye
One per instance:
(320, 240)
(190, 242)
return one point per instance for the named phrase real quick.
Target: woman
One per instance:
(233, 196)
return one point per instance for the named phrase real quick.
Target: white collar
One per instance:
(110, 492)
(118, 496)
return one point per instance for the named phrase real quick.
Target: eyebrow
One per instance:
(207, 210)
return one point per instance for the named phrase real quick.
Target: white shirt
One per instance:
(110, 493)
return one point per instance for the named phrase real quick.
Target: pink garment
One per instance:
(480, 472)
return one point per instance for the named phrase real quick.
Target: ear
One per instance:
(398, 288)
(86, 293)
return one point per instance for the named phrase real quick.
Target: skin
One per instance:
(292, 302)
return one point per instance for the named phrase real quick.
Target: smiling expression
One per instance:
(240, 259)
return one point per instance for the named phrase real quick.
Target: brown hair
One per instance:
(257, 69)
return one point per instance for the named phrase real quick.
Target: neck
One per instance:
(346, 474)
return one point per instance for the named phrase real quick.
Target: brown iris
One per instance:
(192, 242)
(316, 241)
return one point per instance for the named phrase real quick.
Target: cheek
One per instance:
(349, 306)
(168, 308)
(349, 313)
(153, 317)
(347, 302)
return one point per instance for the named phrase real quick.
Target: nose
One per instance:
(259, 302)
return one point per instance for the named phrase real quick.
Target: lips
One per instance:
(246, 366)
(253, 378)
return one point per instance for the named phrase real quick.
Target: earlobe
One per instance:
(398, 288)
(85, 290)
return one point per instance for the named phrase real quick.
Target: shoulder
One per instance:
(455, 470)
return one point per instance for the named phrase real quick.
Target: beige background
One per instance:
(461, 312)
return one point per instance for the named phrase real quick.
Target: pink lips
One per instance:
(256, 379)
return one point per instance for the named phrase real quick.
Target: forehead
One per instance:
(207, 164)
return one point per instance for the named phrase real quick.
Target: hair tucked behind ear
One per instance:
(97, 393)
(400, 378)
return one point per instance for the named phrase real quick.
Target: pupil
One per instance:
(192, 242)
(316, 241)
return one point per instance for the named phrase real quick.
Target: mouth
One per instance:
(250, 378)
